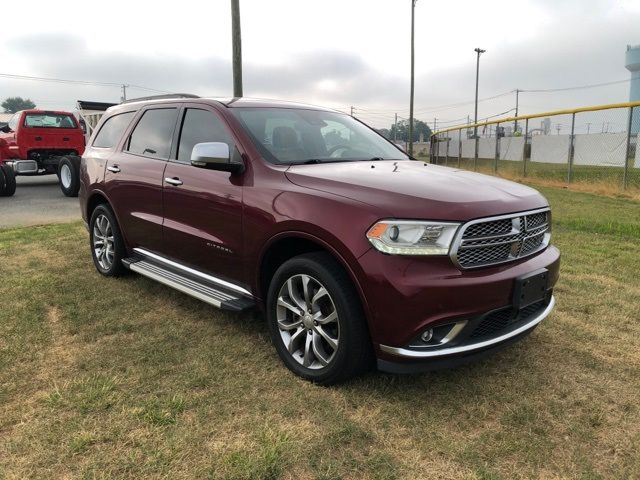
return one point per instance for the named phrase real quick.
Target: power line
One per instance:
(579, 87)
(12, 76)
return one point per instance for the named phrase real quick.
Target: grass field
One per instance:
(104, 378)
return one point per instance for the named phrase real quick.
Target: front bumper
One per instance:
(463, 353)
(407, 295)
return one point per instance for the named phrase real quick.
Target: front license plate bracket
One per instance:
(530, 288)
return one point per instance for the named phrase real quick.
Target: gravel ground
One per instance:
(37, 201)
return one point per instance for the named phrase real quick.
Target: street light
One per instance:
(479, 51)
(413, 9)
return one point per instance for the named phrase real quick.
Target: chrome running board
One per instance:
(188, 283)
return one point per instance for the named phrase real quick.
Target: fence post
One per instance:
(625, 174)
(459, 147)
(495, 165)
(570, 156)
(475, 155)
(446, 158)
(524, 148)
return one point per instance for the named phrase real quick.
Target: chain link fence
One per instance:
(597, 145)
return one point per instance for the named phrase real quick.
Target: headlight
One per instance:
(408, 237)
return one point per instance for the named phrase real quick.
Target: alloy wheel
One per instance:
(103, 243)
(308, 321)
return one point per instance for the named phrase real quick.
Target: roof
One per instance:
(243, 102)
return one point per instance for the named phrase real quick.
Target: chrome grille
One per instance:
(501, 239)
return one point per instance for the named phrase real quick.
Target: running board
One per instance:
(213, 295)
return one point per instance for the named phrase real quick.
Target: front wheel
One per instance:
(69, 174)
(316, 321)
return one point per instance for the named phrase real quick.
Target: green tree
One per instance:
(14, 104)
(419, 127)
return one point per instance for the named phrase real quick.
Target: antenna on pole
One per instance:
(236, 38)
(124, 93)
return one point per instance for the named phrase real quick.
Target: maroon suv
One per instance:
(355, 251)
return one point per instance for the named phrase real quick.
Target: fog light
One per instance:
(427, 335)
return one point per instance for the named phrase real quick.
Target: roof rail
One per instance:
(162, 97)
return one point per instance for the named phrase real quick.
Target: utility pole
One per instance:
(352, 110)
(479, 51)
(413, 11)
(124, 93)
(588, 127)
(516, 124)
(435, 124)
(395, 129)
(236, 38)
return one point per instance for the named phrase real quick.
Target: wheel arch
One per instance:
(287, 245)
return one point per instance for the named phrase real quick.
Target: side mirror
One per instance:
(4, 128)
(216, 156)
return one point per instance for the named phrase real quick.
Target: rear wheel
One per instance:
(316, 321)
(69, 174)
(107, 246)
(8, 181)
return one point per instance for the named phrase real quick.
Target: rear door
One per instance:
(51, 131)
(134, 173)
(203, 208)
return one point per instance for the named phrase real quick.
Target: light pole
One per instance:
(413, 9)
(479, 51)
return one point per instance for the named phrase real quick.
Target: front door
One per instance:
(134, 173)
(203, 208)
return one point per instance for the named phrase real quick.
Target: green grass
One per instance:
(124, 378)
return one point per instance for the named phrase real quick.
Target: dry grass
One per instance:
(104, 378)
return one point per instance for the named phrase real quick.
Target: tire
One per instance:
(108, 261)
(311, 340)
(1, 182)
(8, 181)
(69, 175)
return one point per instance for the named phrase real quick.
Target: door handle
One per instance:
(173, 181)
(113, 168)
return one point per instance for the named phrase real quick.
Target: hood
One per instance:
(416, 190)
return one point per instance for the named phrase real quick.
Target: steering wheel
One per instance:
(336, 148)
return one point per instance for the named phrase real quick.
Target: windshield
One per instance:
(293, 136)
(49, 120)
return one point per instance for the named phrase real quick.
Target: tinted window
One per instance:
(200, 126)
(152, 135)
(49, 120)
(112, 130)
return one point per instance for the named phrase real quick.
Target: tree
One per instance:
(14, 104)
(419, 127)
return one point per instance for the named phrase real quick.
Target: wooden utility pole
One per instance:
(237, 48)
(413, 10)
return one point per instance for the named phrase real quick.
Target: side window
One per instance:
(200, 126)
(112, 130)
(152, 135)
(13, 121)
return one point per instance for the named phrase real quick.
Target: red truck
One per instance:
(42, 142)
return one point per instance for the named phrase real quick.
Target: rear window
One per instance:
(112, 130)
(49, 120)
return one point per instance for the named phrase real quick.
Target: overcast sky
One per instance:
(335, 53)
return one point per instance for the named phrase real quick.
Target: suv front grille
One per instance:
(502, 239)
